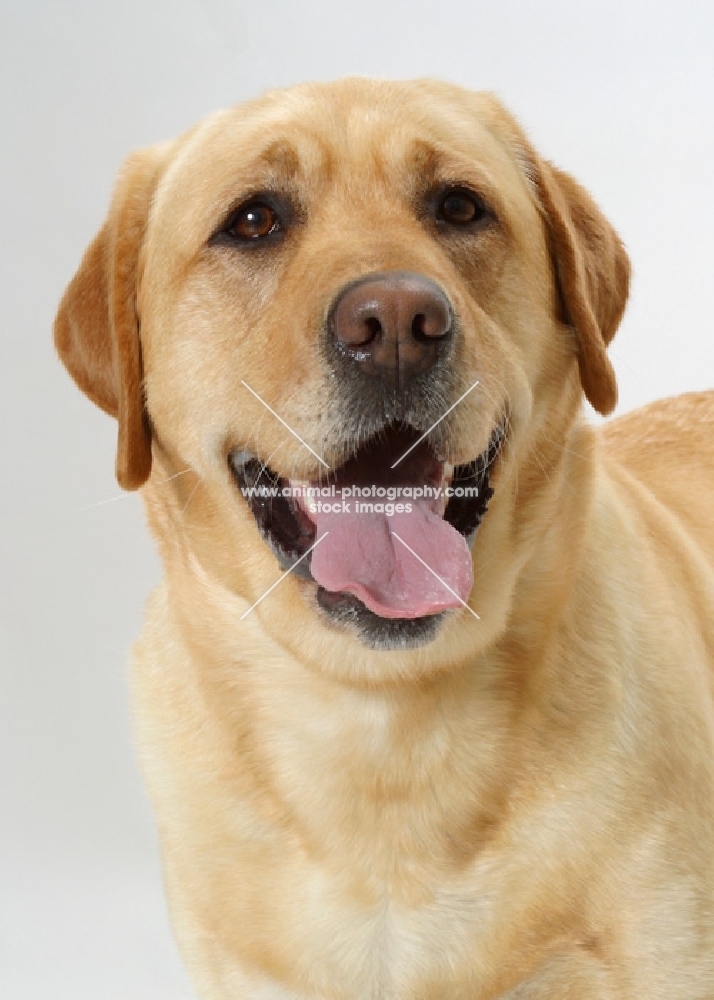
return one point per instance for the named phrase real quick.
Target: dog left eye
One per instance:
(461, 208)
(254, 221)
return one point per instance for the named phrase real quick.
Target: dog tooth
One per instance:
(242, 457)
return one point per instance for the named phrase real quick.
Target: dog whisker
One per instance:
(190, 496)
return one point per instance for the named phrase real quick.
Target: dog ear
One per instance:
(96, 331)
(593, 274)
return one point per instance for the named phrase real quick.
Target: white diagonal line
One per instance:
(294, 433)
(123, 496)
(286, 573)
(434, 425)
(442, 582)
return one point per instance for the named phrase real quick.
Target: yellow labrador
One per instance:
(465, 748)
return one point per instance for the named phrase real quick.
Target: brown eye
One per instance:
(254, 221)
(461, 208)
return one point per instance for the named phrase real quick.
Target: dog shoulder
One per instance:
(668, 446)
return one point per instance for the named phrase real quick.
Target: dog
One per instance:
(424, 700)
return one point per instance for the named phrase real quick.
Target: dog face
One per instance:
(355, 286)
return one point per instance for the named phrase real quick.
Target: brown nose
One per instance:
(393, 325)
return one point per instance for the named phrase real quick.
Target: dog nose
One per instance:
(393, 325)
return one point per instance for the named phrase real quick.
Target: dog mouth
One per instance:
(385, 536)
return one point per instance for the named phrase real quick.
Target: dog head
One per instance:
(313, 306)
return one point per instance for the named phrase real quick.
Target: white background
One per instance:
(619, 93)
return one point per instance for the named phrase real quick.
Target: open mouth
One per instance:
(390, 530)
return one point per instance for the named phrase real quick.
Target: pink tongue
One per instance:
(363, 555)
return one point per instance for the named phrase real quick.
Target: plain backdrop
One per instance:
(619, 92)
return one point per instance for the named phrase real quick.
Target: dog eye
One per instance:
(461, 208)
(254, 221)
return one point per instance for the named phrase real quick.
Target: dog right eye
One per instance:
(253, 221)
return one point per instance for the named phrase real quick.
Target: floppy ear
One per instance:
(593, 272)
(97, 330)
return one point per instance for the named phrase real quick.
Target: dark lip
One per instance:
(290, 533)
(345, 611)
